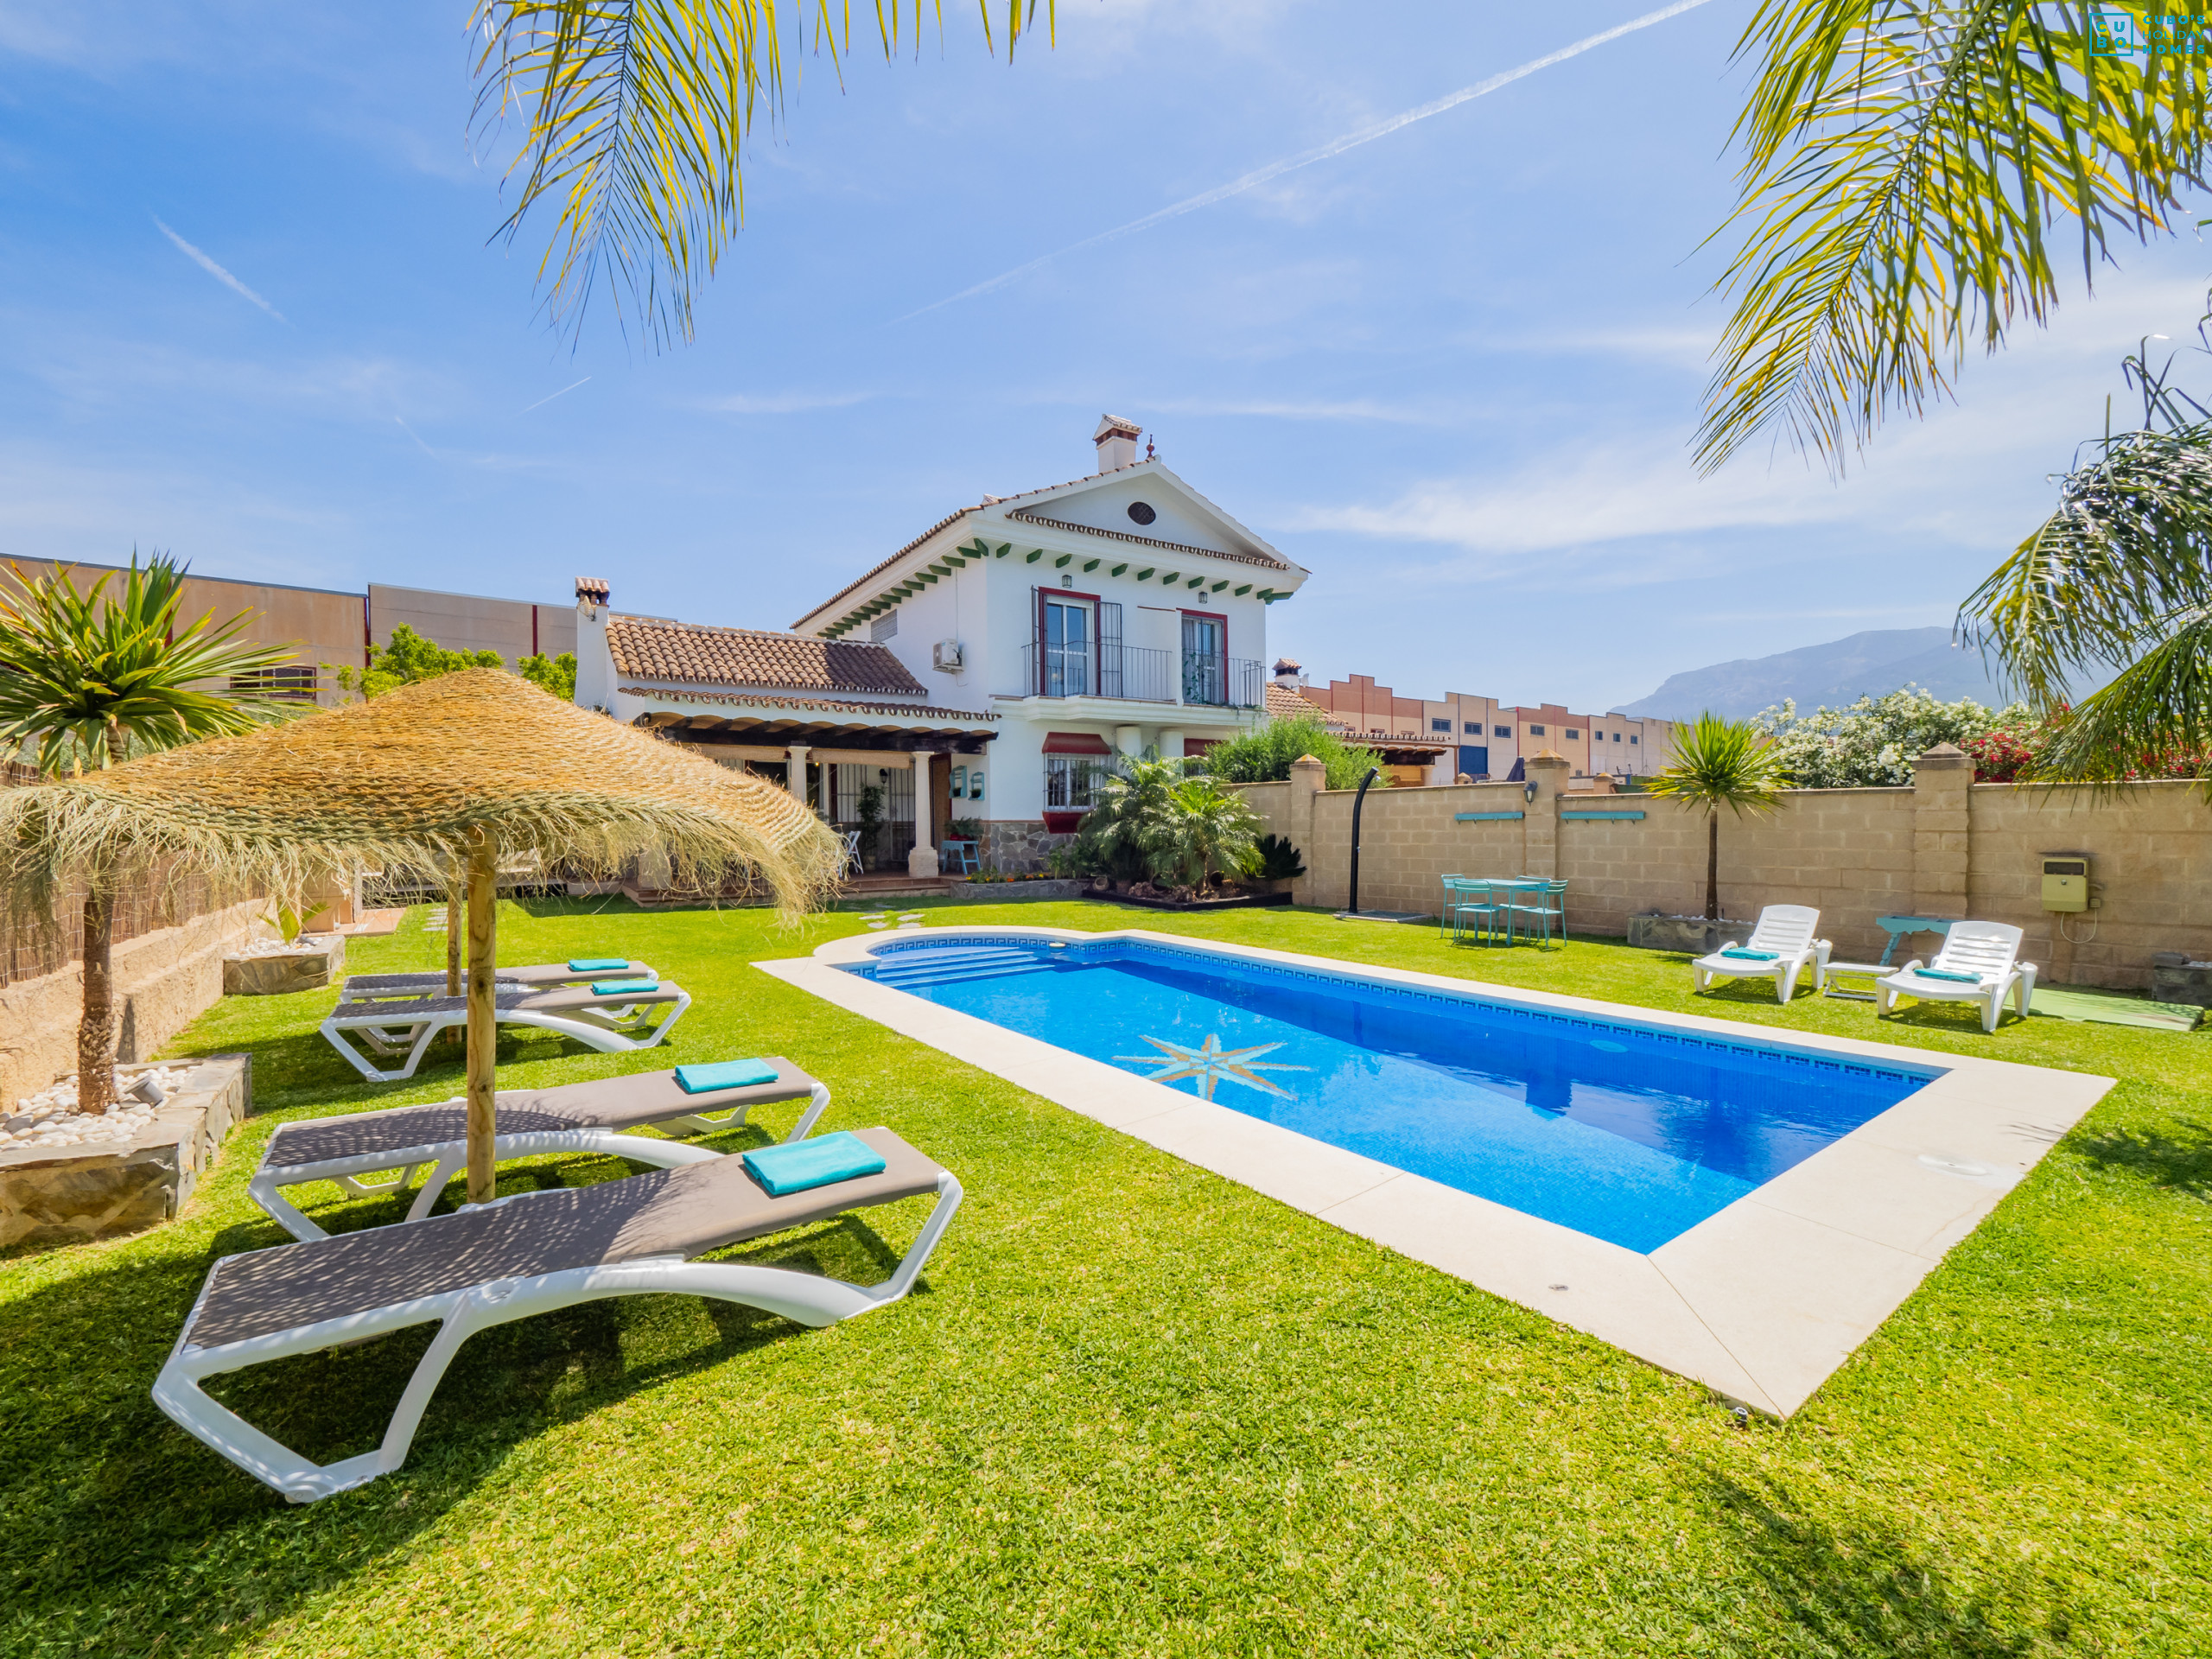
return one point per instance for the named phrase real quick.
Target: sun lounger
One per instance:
(1781, 947)
(532, 1253)
(1977, 963)
(575, 1117)
(614, 1022)
(535, 976)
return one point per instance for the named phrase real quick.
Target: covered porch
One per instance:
(895, 775)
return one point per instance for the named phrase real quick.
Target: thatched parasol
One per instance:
(454, 774)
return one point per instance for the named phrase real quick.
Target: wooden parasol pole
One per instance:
(452, 935)
(483, 1029)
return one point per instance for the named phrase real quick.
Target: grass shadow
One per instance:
(1865, 1592)
(121, 1530)
(2179, 1160)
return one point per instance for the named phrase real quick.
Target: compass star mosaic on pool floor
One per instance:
(1210, 1064)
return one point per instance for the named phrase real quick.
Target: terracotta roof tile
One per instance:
(1283, 703)
(654, 649)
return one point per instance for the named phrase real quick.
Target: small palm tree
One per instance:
(90, 677)
(1205, 831)
(1119, 833)
(1721, 763)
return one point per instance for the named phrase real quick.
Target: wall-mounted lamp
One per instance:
(1529, 792)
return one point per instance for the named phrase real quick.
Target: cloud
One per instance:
(1328, 151)
(218, 272)
(1579, 496)
(551, 395)
(783, 402)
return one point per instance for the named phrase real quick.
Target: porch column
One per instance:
(795, 771)
(922, 861)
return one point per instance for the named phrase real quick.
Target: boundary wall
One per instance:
(1945, 846)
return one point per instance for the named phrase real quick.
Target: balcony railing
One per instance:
(1133, 674)
(1221, 682)
(1127, 673)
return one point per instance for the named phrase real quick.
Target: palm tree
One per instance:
(91, 678)
(634, 114)
(1206, 831)
(2121, 574)
(1721, 763)
(1906, 163)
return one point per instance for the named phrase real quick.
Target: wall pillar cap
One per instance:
(1548, 758)
(1944, 757)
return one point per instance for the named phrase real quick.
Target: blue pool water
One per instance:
(1629, 1132)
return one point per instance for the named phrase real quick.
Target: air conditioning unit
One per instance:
(945, 655)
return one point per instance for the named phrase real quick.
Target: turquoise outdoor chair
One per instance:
(1470, 899)
(1542, 903)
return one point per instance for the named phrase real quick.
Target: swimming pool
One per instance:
(1627, 1131)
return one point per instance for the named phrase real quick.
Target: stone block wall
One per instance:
(165, 979)
(1944, 847)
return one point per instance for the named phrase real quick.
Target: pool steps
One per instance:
(937, 966)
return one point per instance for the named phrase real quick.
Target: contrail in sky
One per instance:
(551, 395)
(217, 271)
(1334, 147)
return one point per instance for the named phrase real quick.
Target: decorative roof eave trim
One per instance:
(815, 704)
(670, 685)
(1024, 516)
(875, 570)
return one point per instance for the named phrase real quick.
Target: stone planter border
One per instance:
(308, 968)
(1242, 901)
(75, 1195)
(1691, 936)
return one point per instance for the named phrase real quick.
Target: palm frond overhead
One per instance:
(2157, 713)
(636, 113)
(1907, 166)
(2125, 562)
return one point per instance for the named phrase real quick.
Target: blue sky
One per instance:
(1451, 371)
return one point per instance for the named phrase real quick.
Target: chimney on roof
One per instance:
(1289, 674)
(590, 590)
(1118, 443)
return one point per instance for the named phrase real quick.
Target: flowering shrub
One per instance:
(1877, 740)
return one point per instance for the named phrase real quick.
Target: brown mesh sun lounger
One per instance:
(533, 976)
(614, 1022)
(516, 1256)
(575, 1117)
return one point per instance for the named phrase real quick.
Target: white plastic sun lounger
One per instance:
(1979, 962)
(577, 1117)
(533, 1253)
(614, 1023)
(534, 976)
(1784, 935)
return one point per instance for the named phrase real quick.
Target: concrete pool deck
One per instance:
(1761, 1302)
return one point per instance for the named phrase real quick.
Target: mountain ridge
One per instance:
(1840, 672)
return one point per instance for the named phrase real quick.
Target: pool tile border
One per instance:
(1760, 1302)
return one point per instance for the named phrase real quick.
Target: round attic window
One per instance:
(1142, 512)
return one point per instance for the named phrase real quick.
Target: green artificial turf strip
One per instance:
(1136, 1409)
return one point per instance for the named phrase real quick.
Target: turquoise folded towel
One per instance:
(1945, 973)
(597, 964)
(724, 1074)
(620, 986)
(805, 1164)
(1753, 955)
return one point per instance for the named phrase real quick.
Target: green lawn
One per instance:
(1136, 1409)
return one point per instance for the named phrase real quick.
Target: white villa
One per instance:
(986, 671)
